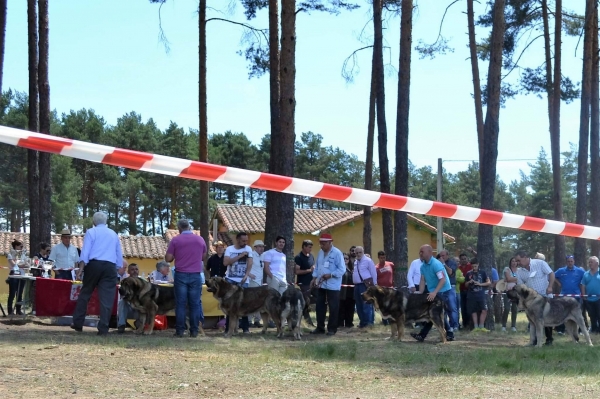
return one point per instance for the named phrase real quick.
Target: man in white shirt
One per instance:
(238, 259)
(536, 274)
(65, 256)
(276, 266)
(414, 275)
(256, 273)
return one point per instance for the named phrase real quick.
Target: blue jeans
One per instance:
(124, 312)
(365, 311)
(187, 296)
(452, 309)
(447, 297)
(244, 323)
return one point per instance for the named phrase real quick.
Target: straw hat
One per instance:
(258, 243)
(65, 232)
(501, 285)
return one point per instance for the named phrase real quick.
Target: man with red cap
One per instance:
(329, 269)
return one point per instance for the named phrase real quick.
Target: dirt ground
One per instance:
(48, 361)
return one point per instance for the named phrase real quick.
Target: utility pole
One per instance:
(440, 223)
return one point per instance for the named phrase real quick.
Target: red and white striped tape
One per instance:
(246, 178)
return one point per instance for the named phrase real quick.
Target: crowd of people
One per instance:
(335, 279)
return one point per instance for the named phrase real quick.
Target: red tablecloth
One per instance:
(55, 297)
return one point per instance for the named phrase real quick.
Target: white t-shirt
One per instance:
(257, 267)
(237, 270)
(278, 263)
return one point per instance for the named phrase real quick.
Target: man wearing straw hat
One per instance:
(65, 256)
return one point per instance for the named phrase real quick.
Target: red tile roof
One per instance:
(141, 247)
(224, 237)
(251, 219)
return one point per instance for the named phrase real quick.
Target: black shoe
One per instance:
(317, 331)
(450, 338)
(120, 329)
(271, 324)
(330, 333)
(20, 313)
(177, 335)
(418, 337)
(194, 335)
(78, 329)
(257, 324)
(102, 333)
(548, 342)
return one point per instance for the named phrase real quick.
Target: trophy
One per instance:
(47, 265)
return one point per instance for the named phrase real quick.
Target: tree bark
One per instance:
(384, 173)
(45, 184)
(400, 219)
(280, 210)
(203, 132)
(271, 222)
(3, 4)
(476, 79)
(367, 210)
(595, 138)
(485, 240)
(584, 130)
(33, 125)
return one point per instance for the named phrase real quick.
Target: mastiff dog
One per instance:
(148, 299)
(400, 308)
(236, 302)
(292, 305)
(549, 312)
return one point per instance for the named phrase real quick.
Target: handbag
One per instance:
(367, 281)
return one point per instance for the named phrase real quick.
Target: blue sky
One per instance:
(105, 55)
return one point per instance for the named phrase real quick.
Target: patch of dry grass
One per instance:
(44, 361)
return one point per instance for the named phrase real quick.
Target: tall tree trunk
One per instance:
(203, 132)
(553, 90)
(476, 79)
(367, 210)
(584, 130)
(271, 223)
(280, 206)
(384, 173)
(400, 219)
(45, 187)
(485, 239)
(3, 4)
(33, 177)
(595, 138)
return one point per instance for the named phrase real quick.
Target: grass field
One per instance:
(48, 361)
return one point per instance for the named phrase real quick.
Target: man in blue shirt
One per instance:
(590, 290)
(100, 256)
(435, 278)
(451, 267)
(570, 279)
(329, 269)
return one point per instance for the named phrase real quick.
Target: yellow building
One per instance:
(346, 227)
(144, 251)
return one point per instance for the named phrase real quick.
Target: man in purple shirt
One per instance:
(100, 256)
(189, 253)
(364, 269)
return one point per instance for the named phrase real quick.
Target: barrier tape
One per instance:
(246, 178)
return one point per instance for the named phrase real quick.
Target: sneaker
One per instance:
(503, 329)
(121, 329)
(450, 338)
(548, 342)
(317, 331)
(257, 324)
(483, 329)
(271, 324)
(178, 335)
(330, 333)
(514, 329)
(560, 332)
(102, 333)
(246, 331)
(78, 329)
(417, 336)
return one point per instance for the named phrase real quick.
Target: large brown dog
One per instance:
(549, 312)
(236, 302)
(401, 308)
(149, 300)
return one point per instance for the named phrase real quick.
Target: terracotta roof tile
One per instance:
(132, 246)
(251, 219)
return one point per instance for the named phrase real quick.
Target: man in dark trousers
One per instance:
(99, 259)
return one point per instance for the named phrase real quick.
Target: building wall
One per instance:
(350, 234)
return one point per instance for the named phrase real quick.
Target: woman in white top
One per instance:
(15, 288)
(275, 263)
(510, 276)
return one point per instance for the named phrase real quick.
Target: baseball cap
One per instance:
(325, 237)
